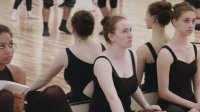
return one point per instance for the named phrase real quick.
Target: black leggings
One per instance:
(6, 101)
(102, 3)
(28, 4)
(175, 108)
(52, 99)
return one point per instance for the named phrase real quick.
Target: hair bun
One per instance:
(105, 20)
(164, 5)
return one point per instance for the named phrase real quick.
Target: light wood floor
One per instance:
(34, 52)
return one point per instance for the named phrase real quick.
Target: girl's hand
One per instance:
(153, 108)
(195, 108)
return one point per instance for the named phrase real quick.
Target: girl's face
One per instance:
(123, 34)
(6, 48)
(149, 20)
(186, 23)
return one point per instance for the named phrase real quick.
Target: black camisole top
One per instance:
(6, 75)
(78, 74)
(150, 79)
(125, 87)
(180, 78)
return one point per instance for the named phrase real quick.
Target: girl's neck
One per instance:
(2, 67)
(180, 40)
(158, 33)
(117, 52)
(78, 40)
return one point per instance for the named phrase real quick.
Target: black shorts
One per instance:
(49, 3)
(69, 3)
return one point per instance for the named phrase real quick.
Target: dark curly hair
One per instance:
(83, 23)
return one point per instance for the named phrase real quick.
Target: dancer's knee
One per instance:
(47, 3)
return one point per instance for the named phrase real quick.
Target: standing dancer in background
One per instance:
(67, 6)
(105, 11)
(28, 6)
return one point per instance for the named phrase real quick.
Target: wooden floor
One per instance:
(34, 52)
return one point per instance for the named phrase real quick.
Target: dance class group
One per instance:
(108, 77)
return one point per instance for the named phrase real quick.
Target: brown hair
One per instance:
(161, 10)
(5, 29)
(180, 8)
(83, 23)
(109, 26)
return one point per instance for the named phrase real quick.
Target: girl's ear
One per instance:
(174, 22)
(111, 37)
(154, 19)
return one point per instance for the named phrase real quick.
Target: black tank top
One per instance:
(150, 79)
(180, 77)
(125, 87)
(6, 75)
(78, 74)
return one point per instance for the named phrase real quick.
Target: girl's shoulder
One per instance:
(18, 74)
